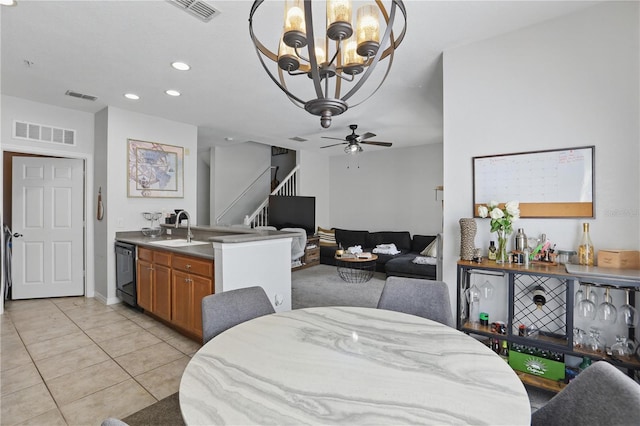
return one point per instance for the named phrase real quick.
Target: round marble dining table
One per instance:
(348, 365)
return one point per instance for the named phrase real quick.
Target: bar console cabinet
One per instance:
(548, 328)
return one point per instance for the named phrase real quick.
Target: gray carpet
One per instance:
(316, 286)
(321, 286)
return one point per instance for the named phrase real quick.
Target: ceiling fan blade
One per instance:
(328, 137)
(335, 144)
(387, 144)
(367, 135)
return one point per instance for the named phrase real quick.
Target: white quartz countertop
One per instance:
(346, 365)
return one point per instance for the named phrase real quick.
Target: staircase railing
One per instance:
(288, 187)
(242, 195)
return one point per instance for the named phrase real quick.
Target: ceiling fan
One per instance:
(353, 141)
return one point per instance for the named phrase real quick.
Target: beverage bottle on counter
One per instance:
(492, 250)
(521, 240)
(504, 351)
(585, 250)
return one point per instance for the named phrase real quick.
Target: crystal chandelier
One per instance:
(344, 55)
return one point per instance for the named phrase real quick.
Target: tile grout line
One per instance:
(164, 339)
(44, 382)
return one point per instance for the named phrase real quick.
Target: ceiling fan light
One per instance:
(339, 19)
(295, 29)
(368, 30)
(352, 149)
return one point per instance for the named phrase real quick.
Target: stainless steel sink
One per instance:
(178, 242)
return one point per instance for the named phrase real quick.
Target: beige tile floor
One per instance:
(76, 361)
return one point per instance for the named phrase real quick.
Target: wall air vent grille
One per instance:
(197, 8)
(80, 95)
(43, 133)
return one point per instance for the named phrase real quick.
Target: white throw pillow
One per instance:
(420, 260)
(431, 250)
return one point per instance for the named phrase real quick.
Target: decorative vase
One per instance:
(468, 230)
(501, 254)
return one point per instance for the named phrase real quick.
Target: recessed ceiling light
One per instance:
(131, 96)
(7, 2)
(181, 66)
(171, 92)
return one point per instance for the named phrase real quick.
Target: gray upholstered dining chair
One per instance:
(600, 395)
(424, 298)
(222, 311)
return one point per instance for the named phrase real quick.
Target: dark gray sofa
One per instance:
(400, 265)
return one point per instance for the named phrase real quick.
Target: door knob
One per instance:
(17, 235)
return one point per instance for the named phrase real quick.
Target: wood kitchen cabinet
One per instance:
(171, 286)
(154, 282)
(192, 280)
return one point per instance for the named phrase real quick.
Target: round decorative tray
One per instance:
(152, 232)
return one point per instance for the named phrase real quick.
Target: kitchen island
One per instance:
(173, 275)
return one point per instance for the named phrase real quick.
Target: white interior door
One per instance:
(48, 227)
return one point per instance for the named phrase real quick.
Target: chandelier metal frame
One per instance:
(329, 101)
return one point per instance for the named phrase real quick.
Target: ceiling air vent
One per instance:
(197, 8)
(80, 95)
(42, 133)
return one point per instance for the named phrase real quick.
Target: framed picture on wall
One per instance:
(550, 183)
(154, 170)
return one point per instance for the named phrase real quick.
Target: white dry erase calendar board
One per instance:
(553, 183)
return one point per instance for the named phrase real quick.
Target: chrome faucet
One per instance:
(189, 235)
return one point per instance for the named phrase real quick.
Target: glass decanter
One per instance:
(623, 346)
(594, 343)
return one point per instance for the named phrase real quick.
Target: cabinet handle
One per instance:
(188, 266)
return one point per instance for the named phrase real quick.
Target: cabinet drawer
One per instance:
(162, 258)
(193, 265)
(145, 254)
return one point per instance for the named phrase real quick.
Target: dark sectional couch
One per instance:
(400, 265)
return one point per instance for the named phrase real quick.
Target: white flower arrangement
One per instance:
(501, 218)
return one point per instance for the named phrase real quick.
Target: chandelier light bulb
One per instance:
(339, 19)
(321, 56)
(368, 30)
(295, 30)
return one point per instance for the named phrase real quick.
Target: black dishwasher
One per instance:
(126, 273)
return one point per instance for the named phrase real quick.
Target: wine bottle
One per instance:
(539, 296)
(585, 250)
(492, 250)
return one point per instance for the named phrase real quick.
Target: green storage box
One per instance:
(536, 365)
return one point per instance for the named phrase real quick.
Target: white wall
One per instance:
(314, 182)
(387, 190)
(233, 169)
(83, 123)
(121, 212)
(269, 267)
(204, 187)
(568, 82)
(101, 231)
